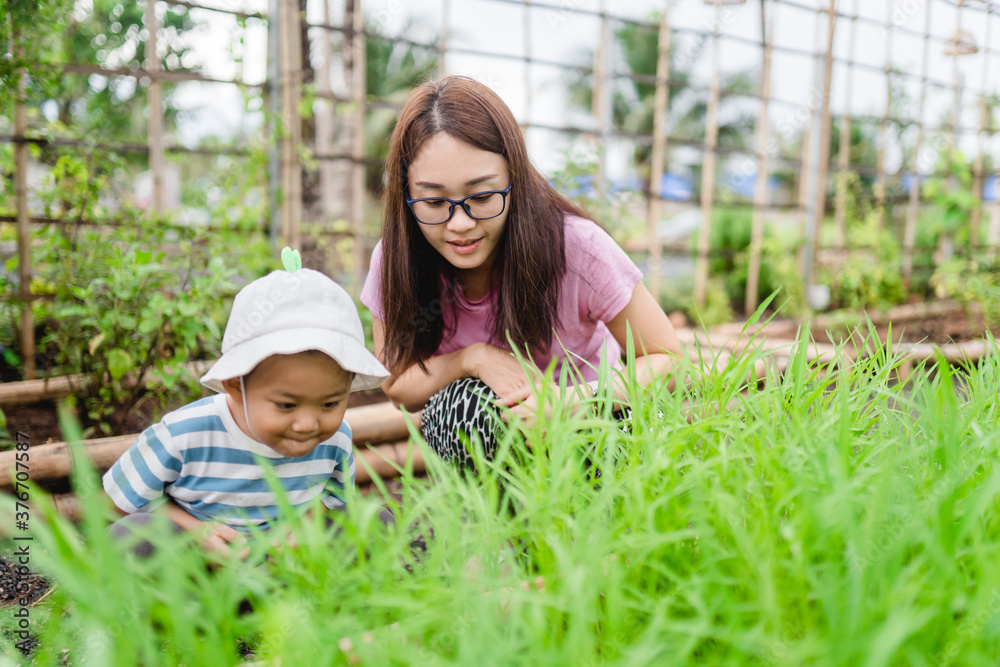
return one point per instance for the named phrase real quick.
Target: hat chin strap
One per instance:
(246, 413)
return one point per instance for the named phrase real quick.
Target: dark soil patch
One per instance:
(939, 329)
(38, 421)
(18, 588)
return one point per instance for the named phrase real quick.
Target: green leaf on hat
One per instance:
(291, 259)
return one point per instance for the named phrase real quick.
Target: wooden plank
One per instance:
(370, 424)
(50, 389)
(379, 459)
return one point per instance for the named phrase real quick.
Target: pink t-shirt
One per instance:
(598, 284)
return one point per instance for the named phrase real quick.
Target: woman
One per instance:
(477, 252)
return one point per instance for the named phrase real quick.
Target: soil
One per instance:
(36, 420)
(943, 329)
(940, 329)
(15, 588)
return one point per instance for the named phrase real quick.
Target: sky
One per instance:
(558, 33)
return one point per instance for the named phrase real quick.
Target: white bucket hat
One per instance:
(290, 312)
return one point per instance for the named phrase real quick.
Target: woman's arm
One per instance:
(412, 388)
(656, 344)
(656, 348)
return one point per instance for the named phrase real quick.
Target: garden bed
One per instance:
(920, 332)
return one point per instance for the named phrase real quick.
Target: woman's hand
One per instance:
(499, 370)
(523, 404)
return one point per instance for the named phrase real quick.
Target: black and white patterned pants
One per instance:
(464, 411)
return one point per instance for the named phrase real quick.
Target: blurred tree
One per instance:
(393, 69)
(633, 101)
(28, 30)
(111, 34)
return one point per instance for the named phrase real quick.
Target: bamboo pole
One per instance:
(443, 42)
(325, 123)
(824, 144)
(370, 425)
(23, 215)
(358, 191)
(910, 230)
(708, 167)
(660, 102)
(600, 105)
(802, 201)
(993, 235)
(975, 219)
(880, 175)
(291, 94)
(154, 103)
(526, 17)
(760, 198)
(944, 241)
(274, 107)
(806, 172)
(843, 153)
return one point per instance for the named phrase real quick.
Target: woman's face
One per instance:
(447, 167)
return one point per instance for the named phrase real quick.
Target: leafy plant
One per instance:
(127, 303)
(971, 282)
(952, 196)
(869, 277)
(127, 314)
(613, 209)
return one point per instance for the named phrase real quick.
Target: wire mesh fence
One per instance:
(816, 118)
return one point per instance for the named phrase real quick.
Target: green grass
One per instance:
(830, 517)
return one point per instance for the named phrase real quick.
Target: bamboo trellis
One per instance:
(762, 135)
(844, 150)
(708, 166)
(910, 232)
(660, 103)
(284, 89)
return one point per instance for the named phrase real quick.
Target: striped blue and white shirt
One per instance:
(200, 458)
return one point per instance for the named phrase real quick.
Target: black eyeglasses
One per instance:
(478, 206)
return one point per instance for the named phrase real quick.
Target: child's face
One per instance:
(295, 401)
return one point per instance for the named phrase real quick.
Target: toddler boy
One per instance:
(293, 351)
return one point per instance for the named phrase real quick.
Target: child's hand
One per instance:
(221, 539)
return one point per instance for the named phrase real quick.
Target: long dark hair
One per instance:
(531, 256)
